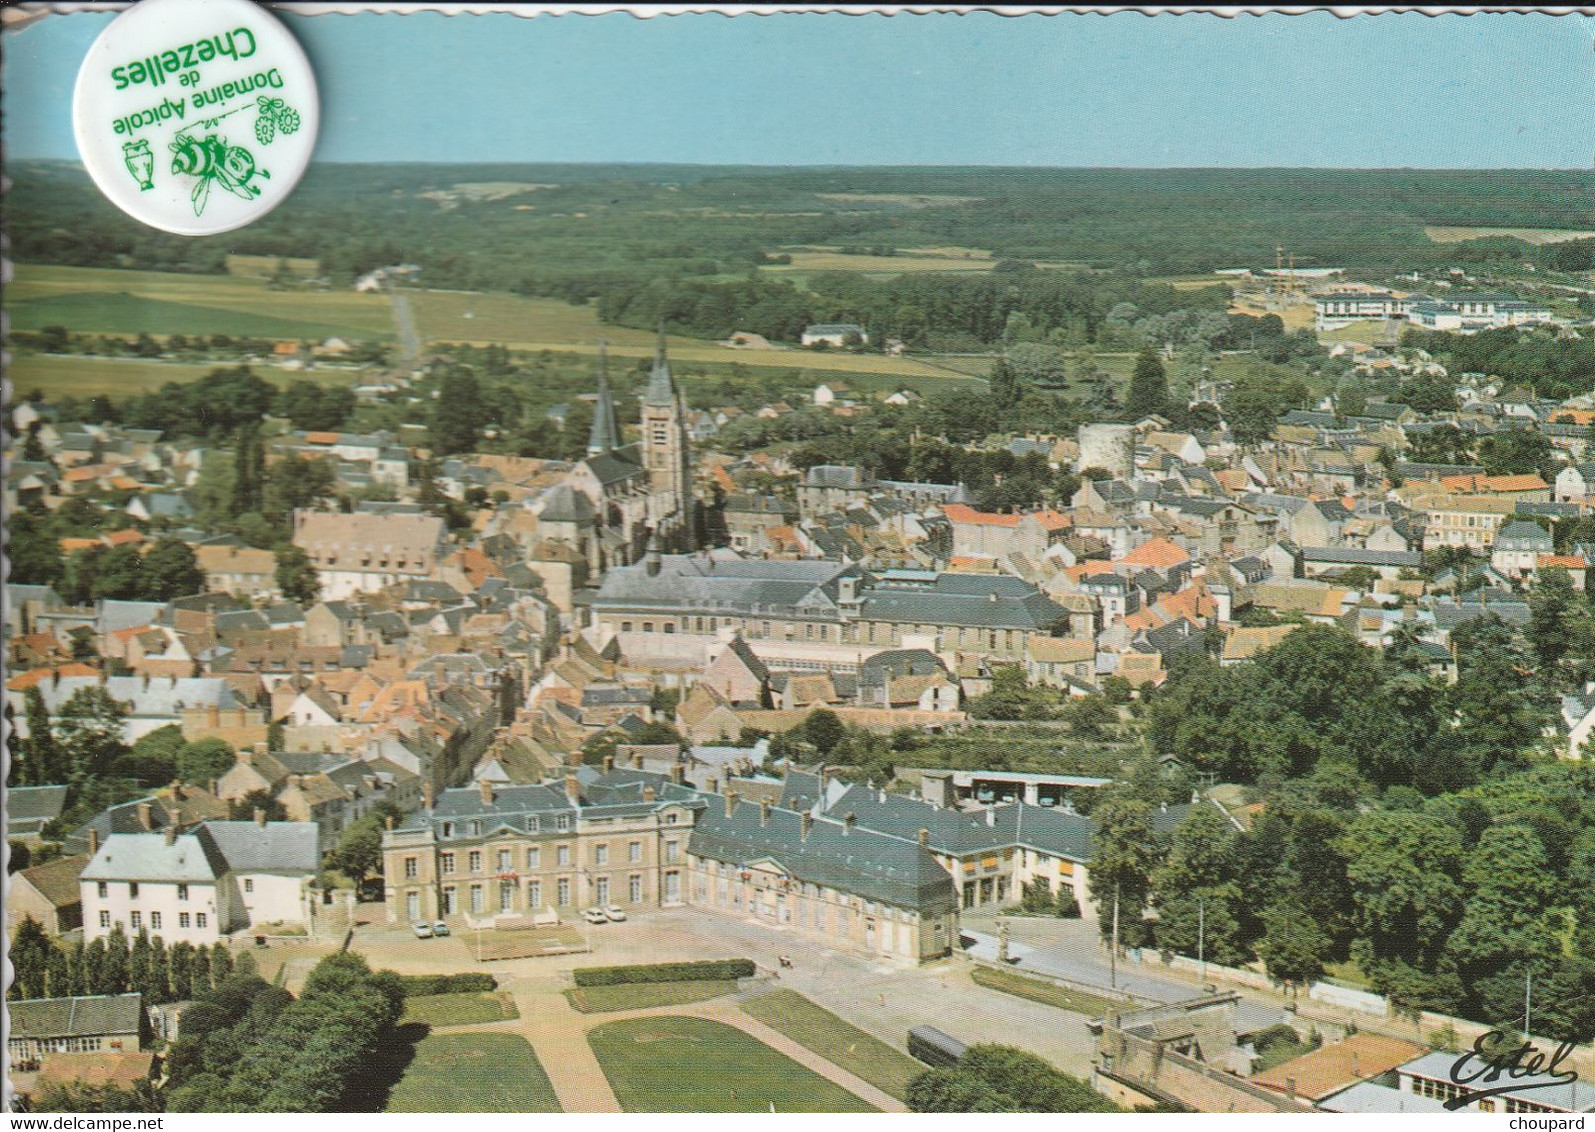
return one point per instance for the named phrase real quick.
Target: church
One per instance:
(625, 498)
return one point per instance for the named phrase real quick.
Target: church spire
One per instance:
(604, 436)
(661, 388)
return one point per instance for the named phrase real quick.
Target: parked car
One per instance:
(614, 913)
(595, 916)
(422, 929)
(440, 928)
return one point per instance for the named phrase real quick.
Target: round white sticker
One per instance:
(195, 116)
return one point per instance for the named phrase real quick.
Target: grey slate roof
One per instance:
(28, 808)
(78, 1017)
(287, 847)
(1521, 534)
(564, 504)
(1357, 556)
(189, 859)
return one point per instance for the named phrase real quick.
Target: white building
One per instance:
(200, 886)
(833, 334)
(1469, 313)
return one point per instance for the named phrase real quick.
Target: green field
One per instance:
(458, 1009)
(641, 996)
(695, 1065)
(60, 375)
(839, 1042)
(474, 1073)
(93, 300)
(1039, 990)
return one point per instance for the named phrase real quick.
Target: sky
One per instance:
(1510, 90)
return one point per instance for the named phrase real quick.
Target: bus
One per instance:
(933, 1047)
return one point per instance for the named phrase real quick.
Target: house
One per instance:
(110, 1023)
(239, 570)
(48, 894)
(364, 553)
(152, 702)
(836, 334)
(1518, 547)
(1433, 1075)
(1331, 1069)
(30, 808)
(198, 886)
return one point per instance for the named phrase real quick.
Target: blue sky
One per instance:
(1481, 91)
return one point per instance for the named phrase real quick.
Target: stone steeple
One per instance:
(605, 434)
(661, 391)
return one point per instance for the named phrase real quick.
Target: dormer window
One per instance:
(563, 821)
(448, 829)
(476, 829)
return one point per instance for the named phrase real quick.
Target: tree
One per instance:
(30, 960)
(1196, 890)
(1006, 390)
(1513, 452)
(999, 1078)
(1125, 849)
(82, 1096)
(358, 853)
(1294, 948)
(1552, 606)
(1149, 386)
(243, 809)
(204, 760)
(825, 729)
(118, 573)
(170, 571)
(89, 728)
(153, 759)
(296, 575)
(44, 761)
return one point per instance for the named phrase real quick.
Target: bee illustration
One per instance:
(213, 160)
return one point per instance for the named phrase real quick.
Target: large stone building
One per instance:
(815, 614)
(363, 553)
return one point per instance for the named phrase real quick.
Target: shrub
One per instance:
(704, 969)
(417, 985)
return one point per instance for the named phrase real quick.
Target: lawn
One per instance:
(473, 1073)
(1048, 994)
(696, 1065)
(93, 300)
(641, 996)
(839, 1042)
(459, 1009)
(58, 375)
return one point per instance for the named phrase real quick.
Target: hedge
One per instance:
(418, 985)
(703, 969)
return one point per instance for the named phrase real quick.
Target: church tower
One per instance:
(665, 455)
(604, 437)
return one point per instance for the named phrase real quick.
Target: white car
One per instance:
(595, 916)
(615, 913)
(422, 929)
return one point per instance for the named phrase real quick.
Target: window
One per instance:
(182, 919)
(105, 919)
(647, 626)
(634, 852)
(476, 898)
(135, 920)
(182, 891)
(105, 890)
(506, 896)
(564, 892)
(506, 860)
(534, 894)
(534, 858)
(446, 863)
(476, 829)
(672, 818)
(474, 860)
(448, 829)
(411, 868)
(672, 852)
(562, 855)
(600, 855)
(636, 889)
(155, 921)
(562, 822)
(249, 885)
(132, 890)
(625, 626)
(601, 890)
(199, 919)
(450, 895)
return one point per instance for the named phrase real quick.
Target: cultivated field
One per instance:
(1442, 234)
(265, 266)
(60, 375)
(670, 1064)
(93, 300)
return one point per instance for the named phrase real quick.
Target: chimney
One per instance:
(177, 789)
(849, 822)
(213, 715)
(1290, 1087)
(764, 811)
(991, 815)
(427, 796)
(609, 763)
(388, 821)
(573, 759)
(805, 823)
(215, 786)
(145, 816)
(573, 789)
(260, 816)
(94, 841)
(924, 839)
(487, 792)
(636, 759)
(678, 774)
(712, 785)
(731, 802)
(649, 794)
(171, 834)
